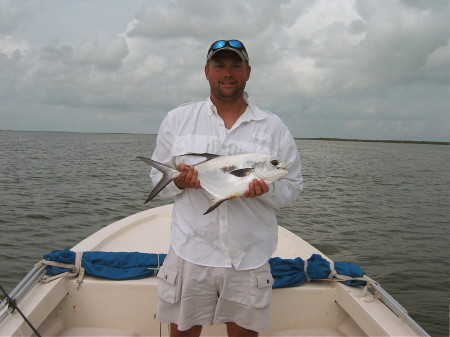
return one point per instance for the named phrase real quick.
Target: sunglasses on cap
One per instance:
(234, 45)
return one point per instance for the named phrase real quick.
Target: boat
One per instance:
(96, 306)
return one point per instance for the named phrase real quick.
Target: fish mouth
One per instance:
(282, 166)
(283, 169)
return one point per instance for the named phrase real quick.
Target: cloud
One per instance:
(109, 56)
(9, 45)
(328, 68)
(205, 20)
(377, 57)
(80, 77)
(436, 67)
(13, 12)
(370, 45)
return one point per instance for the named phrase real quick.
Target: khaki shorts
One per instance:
(190, 295)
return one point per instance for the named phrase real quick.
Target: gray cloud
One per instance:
(13, 12)
(206, 20)
(109, 56)
(353, 69)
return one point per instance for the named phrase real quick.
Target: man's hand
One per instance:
(256, 188)
(187, 177)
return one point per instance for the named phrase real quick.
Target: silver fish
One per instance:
(224, 177)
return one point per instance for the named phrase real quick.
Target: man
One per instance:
(217, 269)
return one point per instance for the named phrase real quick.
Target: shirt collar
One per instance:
(251, 113)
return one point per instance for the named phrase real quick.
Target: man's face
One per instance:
(227, 75)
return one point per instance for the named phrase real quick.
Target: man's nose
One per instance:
(228, 71)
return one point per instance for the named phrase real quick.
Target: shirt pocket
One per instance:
(238, 147)
(262, 138)
(169, 286)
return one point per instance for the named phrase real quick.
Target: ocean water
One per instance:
(382, 206)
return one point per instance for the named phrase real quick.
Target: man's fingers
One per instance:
(189, 173)
(191, 177)
(256, 188)
(264, 186)
(188, 177)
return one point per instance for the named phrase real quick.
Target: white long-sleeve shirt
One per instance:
(241, 232)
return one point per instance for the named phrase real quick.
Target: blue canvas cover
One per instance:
(291, 272)
(109, 265)
(134, 265)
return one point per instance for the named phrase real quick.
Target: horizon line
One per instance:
(300, 138)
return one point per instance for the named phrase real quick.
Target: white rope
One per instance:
(333, 271)
(305, 267)
(77, 269)
(156, 269)
(333, 276)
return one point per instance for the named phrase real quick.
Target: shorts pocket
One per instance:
(168, 287)
(261, 292)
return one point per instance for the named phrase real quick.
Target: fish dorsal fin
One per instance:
(208, 156)
(242, 172)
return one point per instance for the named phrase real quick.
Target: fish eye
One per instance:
(274, 162)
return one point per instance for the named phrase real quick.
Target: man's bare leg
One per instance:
(235, 330)
(195, 331)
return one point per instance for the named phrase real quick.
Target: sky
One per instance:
(355, 69)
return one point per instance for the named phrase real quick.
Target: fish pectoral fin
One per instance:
(242, 172)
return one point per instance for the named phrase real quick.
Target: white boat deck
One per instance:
(127, 308)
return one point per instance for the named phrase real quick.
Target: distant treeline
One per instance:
(379, 141)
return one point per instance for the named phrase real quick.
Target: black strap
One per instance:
(13, 304)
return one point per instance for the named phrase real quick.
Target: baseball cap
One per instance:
(234, 45)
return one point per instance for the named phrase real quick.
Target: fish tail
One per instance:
(169, 174)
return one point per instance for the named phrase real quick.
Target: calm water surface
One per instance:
(382, 206)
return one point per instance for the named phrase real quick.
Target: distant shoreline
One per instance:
(319, 138)
(380, 141)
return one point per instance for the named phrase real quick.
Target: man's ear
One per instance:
(207, 71)
(249, 70)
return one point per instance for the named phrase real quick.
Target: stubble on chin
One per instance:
(227, 93)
